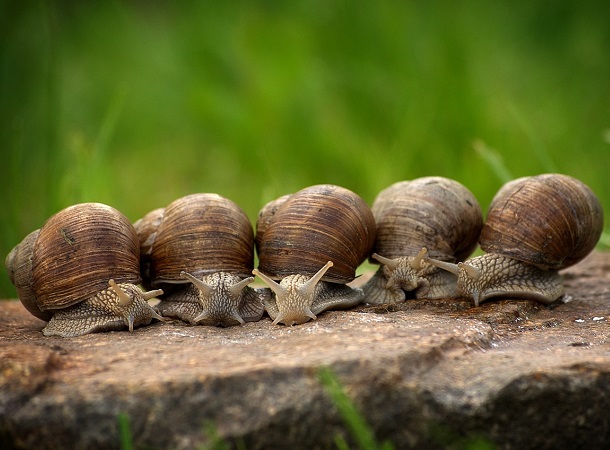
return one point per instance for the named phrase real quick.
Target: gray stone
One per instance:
(512, 374)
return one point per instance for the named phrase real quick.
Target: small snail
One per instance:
(80, 271)
(312, 241)
(200, 249)
(429, 216)
(535, 226)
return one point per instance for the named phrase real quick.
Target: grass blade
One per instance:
(125, 432)
(494, 160)
(359, 429)
(538, 146)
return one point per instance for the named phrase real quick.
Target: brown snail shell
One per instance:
(320, 234)
(435, 213)
(64, 270)
(535, 226)
(265, 215)
(550, 220)
(19, 267)
(146, 229)
(206, 243)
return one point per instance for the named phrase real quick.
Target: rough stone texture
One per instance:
(425, 374)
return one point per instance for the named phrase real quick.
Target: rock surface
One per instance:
(510, 374)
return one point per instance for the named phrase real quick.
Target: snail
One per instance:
(312, 241)
(80, 271)
(535, 227)
(432, 217)
(200, 249)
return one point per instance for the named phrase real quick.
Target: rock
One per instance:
(424, 374)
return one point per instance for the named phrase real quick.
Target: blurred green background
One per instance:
(135, 104)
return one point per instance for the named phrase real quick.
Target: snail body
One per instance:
(80, 272)
(200, 249)
(312, 242)
(429, 217)
(535, 227)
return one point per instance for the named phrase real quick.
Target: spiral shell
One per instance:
(313, 226)
(433, 212)
(551, 221)
(78, 250)
(199, 234)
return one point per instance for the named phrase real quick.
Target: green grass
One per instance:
(135, 104)
(360, 431)
(357, 427)
(125, 432)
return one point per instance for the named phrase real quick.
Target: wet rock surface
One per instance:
(510, 374)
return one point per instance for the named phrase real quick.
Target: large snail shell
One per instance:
(313, 226)
(200, 234)
(265, 215)
(549, 220)
(73, 256)
(433, 212)
(78, 250)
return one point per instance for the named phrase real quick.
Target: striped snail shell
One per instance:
(200, 249)
(535, 226)
(426, 217)
(80, 272)
(312, 241)
(146, 229)
(265, 215)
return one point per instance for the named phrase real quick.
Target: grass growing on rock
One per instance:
(358, 428)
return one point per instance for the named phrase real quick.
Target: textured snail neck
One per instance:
(220, 297)
(294, 301)
(494, 275)
(405, 274)
(217, 299)
(116, 308)
(294, 296)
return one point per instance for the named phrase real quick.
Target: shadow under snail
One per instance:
(80, 273)
(309, 246)
(535, 227)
